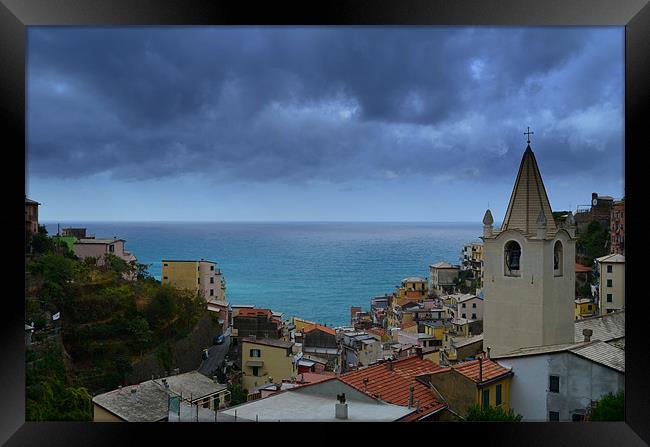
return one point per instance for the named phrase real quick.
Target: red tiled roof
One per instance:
(413, 293)
(582, 268)
(470, 369)
(312, 327)
(254, 312)
(404, 301)
(393, 386)
(311, 378)
(407, 324)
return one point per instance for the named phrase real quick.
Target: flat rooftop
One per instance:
(297, 406)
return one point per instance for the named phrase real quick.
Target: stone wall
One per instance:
(186, 353)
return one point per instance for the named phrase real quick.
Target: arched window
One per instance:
(512, 256)
(557, 259)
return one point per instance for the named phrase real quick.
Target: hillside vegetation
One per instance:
(106, 323)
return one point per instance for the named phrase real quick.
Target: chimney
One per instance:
(480, 369)
(488, 352)
(389, 364)
(411, 390)
(134, 397)
(587, 333)
(365, 384)
(418, 351)
(164, 381)
(341, 410)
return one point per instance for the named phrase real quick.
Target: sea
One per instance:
(313, 270)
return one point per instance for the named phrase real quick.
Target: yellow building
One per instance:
(476, 382)
(585, 308)
(201, 276)
(414, 287)
(300, 323)
(266, 361)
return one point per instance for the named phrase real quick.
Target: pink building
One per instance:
(470, 307)
(98, 248)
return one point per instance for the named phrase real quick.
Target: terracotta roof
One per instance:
(393, 385)
(582, 268)
(254, 312)
(413, 293)
(491, 370)
(312, 327)
(407, 324)
(311, 378)
(404, 301)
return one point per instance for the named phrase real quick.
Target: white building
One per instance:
(559, 382)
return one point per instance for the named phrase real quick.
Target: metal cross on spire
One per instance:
(529, 133)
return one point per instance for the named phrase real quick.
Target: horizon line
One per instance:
(53, 222)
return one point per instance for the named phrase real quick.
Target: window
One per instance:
(589, 307)
(111, 248)
(255, 353)
(211, 292)
(575, 417)
(206, 403)
(486, 399)
(609, 297)
(498, 396)
(165, 265)
(212, 280)
(473, 316)
(609, 283)
(609, 269)
(557, 258)
(553, 416)
(464, 316)
(164, 277)
(464, 306)
(212, 267)
(554, 384)
(256, 371)
(473, 305)
(512, 256)
(199, 280)
(215, 402)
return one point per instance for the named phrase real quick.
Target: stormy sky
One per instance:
(334, 123)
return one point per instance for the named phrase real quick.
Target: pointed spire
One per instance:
(487, 218)
(529, 200)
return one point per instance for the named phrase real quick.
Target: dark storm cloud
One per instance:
(262, 104)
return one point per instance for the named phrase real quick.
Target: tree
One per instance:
(476, 413)
(611, 407)
(593, 242)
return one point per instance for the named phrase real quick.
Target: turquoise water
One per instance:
(313, 270)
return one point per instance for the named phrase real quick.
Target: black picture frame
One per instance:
(16, 15)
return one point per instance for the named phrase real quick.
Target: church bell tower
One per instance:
(529, 270)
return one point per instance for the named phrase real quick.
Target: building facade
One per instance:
(200, 276)
(559, 382)
(611, 287)
(617, 228)
(99, 248)
(443, 275)
(529, 274)
(266, 361)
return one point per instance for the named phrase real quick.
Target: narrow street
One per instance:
(216, 355)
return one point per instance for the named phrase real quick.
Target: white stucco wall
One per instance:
(581, 381)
